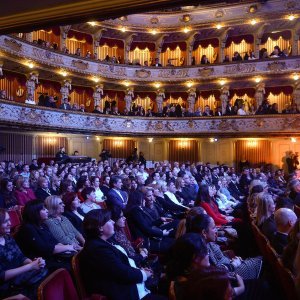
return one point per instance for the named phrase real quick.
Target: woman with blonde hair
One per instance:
(60, 226)
(265, 215)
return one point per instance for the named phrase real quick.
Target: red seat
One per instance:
(58, 286)
(261, 240)
(14, 220)
(80, 286)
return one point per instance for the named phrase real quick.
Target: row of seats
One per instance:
(282, 275)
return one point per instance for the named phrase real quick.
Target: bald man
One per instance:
(285, 219)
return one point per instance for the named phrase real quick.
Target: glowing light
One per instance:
(291, 17)
(96, 79)
(293, 140)
(296, 77)
(219, 26)
(123, 29)
(64, 73)
(253, 22)
(97, 138)
(186, 29)
(157, 85)
(213, 140)
(252, 144)
(126, 83)
(189, 84)
(257, 79)
(222, 81)
(92, 23)
(30, 65)
(150, 140)
(153, 31)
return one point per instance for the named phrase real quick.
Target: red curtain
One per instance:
(173, 46)
(143, 46)
(241, 92)
(48, 146)
(257, 152)
(183, 150)
(249, 39)
(80, 36)
(205, 43)
(207, 94)
(119, 148)
(286, 35)
(276, 90)
(111, 42)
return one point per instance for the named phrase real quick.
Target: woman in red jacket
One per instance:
(23, 192)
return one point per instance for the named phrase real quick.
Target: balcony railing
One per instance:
(91, 67)
(38, 118)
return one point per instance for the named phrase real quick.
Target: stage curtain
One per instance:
(257, 152)
(17, 147)
(119, 148)
(183, 150)
(48, 146)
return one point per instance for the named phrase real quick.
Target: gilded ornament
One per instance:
(276, 66)
(191, 123)
(253, 9)
(154, 20)
(13, 44)
(186, 18)
(205, 72)
(79, 64)
(260, 122)
(159, 125)
(142, 73)
(219, 14)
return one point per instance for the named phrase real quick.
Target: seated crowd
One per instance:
(146, 234)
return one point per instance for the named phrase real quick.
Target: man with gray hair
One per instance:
(294, 186)
(285, 219)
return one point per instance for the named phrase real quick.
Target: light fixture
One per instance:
(87, 137)
(153, 31)
(257, 79)
(126, 83)
(253, 21)
(30, 65)
(150, 140)
(189, 84)
(291, 17)
(92, 23)
(63, 73)
(186, 29)
(219, 26)
(252, 143)
(157, 85)
(222, 81)
(123, 29)
(95, 79)
(293, 140)
(213, 140)
(296, 76)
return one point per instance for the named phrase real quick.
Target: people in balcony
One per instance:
(204, 60)
(218, 112)
(169, 63)
(193, 63)
(198, 112)
(65, 105)
(81, 107)
(97, 110)
(88, 54)
(3, 94)
(207, 111)
(263, 53)
(241, 111)
(50, 102)
(276, 52)
(156, 63)
(236, 56)
(78, 52)
(226, 59)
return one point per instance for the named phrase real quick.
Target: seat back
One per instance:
(14, 220)
(261, 240)
(79, 283)
(287, 281)
(58, 286)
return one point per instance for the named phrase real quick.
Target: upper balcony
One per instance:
(50, 59)
(28, 117)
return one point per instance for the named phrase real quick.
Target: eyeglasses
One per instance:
(60, 203)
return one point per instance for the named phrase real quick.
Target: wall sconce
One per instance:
(30, 65)
(150, 140)
(219, 26)
(293, 140)
(296, 76)
(253, 21)
(123, 29)
(92, 23)
(63, 73)
(153, 31)
(222, 81)
(213, 140)
(186, 29)
(95, 79)
(157, 85)
(291, 17)
(189, 84)
(97, 138)
(257, 79)
(126, 83)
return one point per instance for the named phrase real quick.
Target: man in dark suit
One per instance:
(285, 219)
(218, 112)
(65, 104)
(156, 63)
(115, 196)
(215, 176)
(234, 189)
(229, 110)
